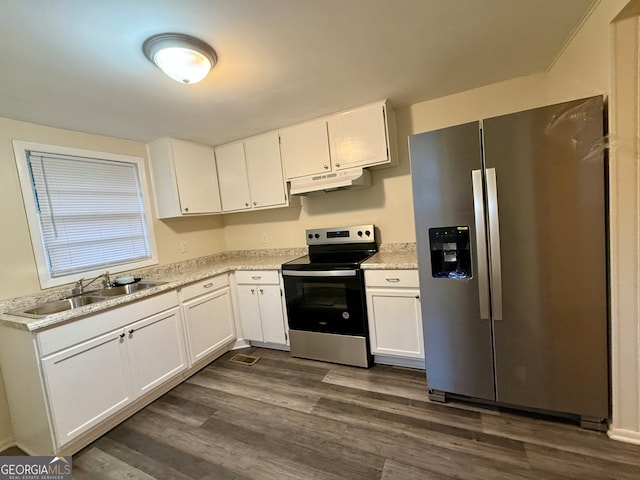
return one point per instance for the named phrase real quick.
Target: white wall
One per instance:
(625, 223)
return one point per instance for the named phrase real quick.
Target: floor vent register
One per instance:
(244, 359)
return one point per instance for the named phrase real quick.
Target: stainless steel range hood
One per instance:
(327, 182)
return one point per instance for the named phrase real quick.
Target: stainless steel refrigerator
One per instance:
(510, 217)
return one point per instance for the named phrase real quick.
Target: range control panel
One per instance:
(356, 234)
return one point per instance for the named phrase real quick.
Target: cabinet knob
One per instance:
(418, 297)
(253, 290)
(261, 292)
(122, 335)
(246, 204)
(186, 209)
(131, 331)
(326, 167)
(338, 165)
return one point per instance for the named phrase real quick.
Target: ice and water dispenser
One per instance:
(450, 252)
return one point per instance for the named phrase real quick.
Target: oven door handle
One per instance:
(319, 273)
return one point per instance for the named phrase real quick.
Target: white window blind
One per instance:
(91, 212)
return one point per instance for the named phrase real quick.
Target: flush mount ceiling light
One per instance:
(184, 58)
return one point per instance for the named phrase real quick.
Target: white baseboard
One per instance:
(6, 443)
(240, 344)
(272, 346)
(622, 435)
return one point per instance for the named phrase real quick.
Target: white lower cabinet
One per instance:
(91, 381)
(260, 305)
(87, 383)
(395, 319)
(70, 383)
(208, 316)
(156, 350)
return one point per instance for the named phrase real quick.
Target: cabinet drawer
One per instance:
(204, 286)
(391, 278)
(263, 277)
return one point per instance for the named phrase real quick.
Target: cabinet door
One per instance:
(87, 383)
(156, 349)
(358, 137)
(209, 323)
(264, 169)
(232, 174)
(305, 149)
(271, 314)
(196, 176)
(250, 312)
(395, 322)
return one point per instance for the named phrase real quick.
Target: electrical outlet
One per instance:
(265, 239)
(184, 246)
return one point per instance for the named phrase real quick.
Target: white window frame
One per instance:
(20, 149)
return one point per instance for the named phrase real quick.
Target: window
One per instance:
(86, 211)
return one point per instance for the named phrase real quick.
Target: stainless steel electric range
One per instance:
(325, 297)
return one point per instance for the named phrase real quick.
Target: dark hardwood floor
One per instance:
(286, 418)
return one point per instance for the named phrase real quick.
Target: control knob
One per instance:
(317, 235)
(359, 233)
(367, 233)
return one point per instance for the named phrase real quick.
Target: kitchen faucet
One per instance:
(79, 287)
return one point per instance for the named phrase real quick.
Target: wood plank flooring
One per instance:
(286, 418)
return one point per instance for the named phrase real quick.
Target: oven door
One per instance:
(328, 301)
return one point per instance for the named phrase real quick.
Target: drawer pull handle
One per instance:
(256, 277)
(392, 280)
(208, 285)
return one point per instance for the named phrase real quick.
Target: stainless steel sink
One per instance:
(87, 298)
(58, 306)
(125, 289)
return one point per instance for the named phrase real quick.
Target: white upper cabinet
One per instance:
(305, 149)
(358, 138)
(184, 177)
(234, 186)
(361, 137)
(250, 174)
(264, 169)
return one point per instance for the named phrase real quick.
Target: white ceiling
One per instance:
(78, 64)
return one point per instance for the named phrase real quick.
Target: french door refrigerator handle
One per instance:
(481, 245)
(494, 244)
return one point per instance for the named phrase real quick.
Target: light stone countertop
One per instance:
(176, 275)
(392, 261)
(395, 256)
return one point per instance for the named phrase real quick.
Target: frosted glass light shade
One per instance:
(183, 58)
